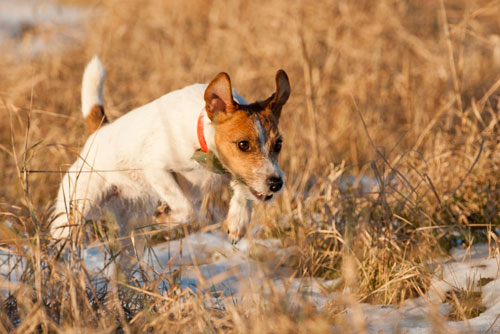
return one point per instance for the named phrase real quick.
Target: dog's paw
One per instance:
(164, 215)
(160, 215)
(237, 225)
(236, 234)
(238, 217)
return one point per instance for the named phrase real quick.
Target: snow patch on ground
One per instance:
(11, 268)
(28, 27)
(463, 270)
(247, 271)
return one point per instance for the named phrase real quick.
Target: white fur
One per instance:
(92, 84)
(126, 167)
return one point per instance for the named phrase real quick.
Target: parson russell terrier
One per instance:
(131, 165)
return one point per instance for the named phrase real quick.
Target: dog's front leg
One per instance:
(240, 211)
(182, 210)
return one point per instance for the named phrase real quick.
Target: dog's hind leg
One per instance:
(79, 195)
(182, 210)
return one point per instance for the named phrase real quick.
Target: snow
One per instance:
(421, 315)
(249, 271)
(210, 262)
(11, 267)
(28, 27)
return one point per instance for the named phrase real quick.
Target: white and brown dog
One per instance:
(129, 166)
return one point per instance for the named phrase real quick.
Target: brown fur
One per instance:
(242, 126)
(96, 118)
(235, 123)
(231, 130)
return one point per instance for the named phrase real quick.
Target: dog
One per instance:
(130, 165)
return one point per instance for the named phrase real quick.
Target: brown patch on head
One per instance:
(247, 136)
(96, 118)
(219, 98)
(231, 133)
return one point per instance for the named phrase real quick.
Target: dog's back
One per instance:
(134, 164)
(112, 170)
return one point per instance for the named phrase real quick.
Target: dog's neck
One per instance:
(206, 154)
(206, 133)
(200, 131)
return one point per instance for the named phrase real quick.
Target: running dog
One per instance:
(204, 134)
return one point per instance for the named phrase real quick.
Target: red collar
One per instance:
(199, 130)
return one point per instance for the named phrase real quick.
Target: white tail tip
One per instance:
(92, 85)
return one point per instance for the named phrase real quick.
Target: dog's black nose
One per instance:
(275, 183)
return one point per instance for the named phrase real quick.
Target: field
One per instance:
(390, 150)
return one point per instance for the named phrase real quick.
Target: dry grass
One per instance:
(465, 303)
(403, 92)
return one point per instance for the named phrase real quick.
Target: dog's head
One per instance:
(246, 136)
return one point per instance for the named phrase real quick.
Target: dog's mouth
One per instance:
(260, 196)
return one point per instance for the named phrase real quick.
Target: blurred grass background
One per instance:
(400, 94)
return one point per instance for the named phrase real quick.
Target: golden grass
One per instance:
(402, 92)
(466, 304)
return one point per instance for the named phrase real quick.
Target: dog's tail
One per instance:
(92, 103)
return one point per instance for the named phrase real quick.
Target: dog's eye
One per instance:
(244, 145)
(277, 146)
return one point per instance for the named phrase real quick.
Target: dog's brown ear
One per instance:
(279, 98)
(218, 96)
